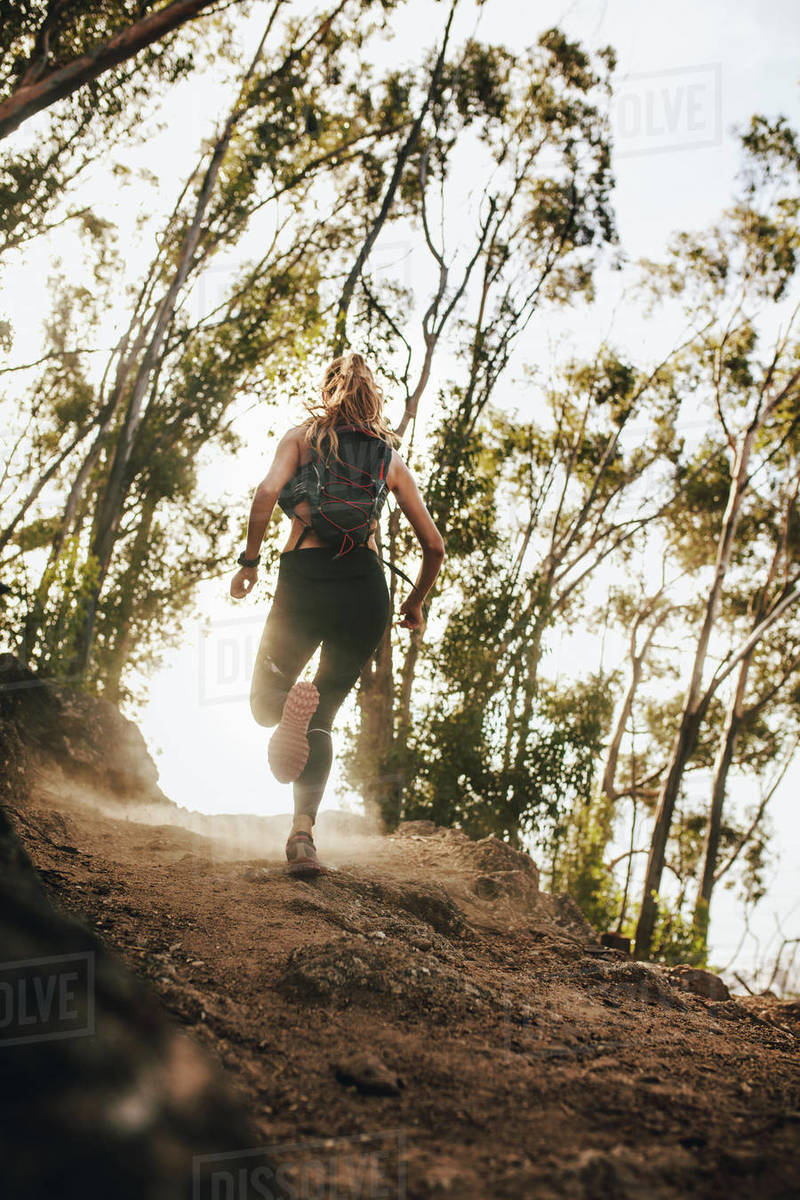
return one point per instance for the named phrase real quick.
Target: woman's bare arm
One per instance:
(284, 465)
(402, 484)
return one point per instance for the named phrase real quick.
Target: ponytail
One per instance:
(350, 395)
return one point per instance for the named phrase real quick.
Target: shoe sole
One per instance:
(288, 747)
(305, 868)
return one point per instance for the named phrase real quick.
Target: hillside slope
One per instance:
(422, 1021)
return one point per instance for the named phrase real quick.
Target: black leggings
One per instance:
(341, 604)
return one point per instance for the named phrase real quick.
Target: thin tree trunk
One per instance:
(139, 553)
(36, 489)
(533, 658)
(376, 692)
(626, 708)
(432, 328)
(405, 152)
(732, 725)
(745, 837)
(109, 507)
(691, 716)
(721, 768)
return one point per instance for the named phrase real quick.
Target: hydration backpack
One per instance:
(345, 490)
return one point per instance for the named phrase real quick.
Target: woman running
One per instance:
(331, 590)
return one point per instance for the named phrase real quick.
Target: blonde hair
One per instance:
(350, 395)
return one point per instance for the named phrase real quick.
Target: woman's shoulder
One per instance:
(294, 437)
(298, 437)
(398, 471)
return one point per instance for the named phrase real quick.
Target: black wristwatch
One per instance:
(243, 561)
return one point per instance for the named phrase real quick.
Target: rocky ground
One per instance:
(422, 1021)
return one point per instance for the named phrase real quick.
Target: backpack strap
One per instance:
(403, 575)
(303, 536)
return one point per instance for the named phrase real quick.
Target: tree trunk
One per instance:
(725, 756)
(530, 682)
(375, 735)
(110, 504)
(721, 767)
(99, 419)
(405, 152)
(608, 785)
(688, 728)
(118, 657)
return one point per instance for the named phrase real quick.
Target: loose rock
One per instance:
(368, 1074)
(698, 981)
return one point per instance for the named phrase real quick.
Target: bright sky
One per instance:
(687, 73)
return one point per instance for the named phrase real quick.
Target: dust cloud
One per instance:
(223, 836)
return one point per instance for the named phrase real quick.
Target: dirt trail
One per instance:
(517, 1057)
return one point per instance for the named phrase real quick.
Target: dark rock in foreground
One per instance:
(101, 1095)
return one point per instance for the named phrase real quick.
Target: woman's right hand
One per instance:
(412, 615)
(243, 582)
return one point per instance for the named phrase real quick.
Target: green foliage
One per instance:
(677, 939)
(36, 182)
(580, 868)
(464, 776)
(480, 82)
(36, 534)
(58, 603)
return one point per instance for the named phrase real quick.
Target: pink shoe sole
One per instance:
(288, 747)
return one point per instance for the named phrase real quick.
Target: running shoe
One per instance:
(301, 855)
(288, 746)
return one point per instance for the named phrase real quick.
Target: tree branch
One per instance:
(31, 98)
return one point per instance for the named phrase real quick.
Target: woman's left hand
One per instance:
(413, 616)
(243, 582)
